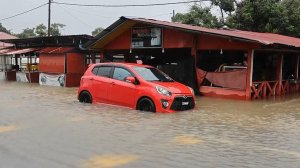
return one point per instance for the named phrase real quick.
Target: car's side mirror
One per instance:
(130, 79)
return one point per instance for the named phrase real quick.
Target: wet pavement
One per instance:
(47, 127)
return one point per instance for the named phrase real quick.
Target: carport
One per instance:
(54, 60)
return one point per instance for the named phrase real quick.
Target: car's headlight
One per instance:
(163, 91)
(192, 90)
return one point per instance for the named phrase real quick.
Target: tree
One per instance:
(97, 31)
(199, 16)
(226, 6)
(276, 16)
(41, 30)
(259, 16)
(27, 33)
(55, 29)
(292, 14)
(3, 29)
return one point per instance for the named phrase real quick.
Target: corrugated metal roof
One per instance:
(11, 51)
(51, 41)
(21, 51)
(6, 36)
(56, 50)
(264, 38)
(4, 51)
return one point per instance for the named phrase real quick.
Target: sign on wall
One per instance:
(148, 37)
(2, 76)
(21, 77)
(52, 80)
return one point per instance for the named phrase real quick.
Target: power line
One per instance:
(24, 12)
(131, 5)
(65, 10)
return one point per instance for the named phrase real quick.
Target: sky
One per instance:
(81, 20)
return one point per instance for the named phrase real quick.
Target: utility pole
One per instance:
(173, 13)
(49, 17)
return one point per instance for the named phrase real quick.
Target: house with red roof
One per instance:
(225, 63)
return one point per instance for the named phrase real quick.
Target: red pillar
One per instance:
(249, 73)
(194, 55)
(194, 47)
(279, 74)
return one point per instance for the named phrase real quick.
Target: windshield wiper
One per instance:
(168, 80)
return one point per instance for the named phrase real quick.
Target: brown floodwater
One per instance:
(46, 127)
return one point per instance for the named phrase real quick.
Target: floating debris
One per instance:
(8, 128)
(187, 139)
(109, 161)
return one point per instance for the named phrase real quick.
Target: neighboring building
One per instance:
(6, 36)
(54, 60)
(215, 62)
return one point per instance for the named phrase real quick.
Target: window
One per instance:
(95, 70)
(121, 74)
(102, 71)
(146, 37)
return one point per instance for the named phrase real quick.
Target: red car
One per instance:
(137, 86)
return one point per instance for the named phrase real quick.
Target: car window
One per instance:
(95, 70)
(104, 71)
(152, 74)
(121, 73)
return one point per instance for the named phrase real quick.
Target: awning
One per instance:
(56, 50)
(4, 51)
(21, 51)
(16, 51)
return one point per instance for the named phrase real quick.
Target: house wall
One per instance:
(52, 63)
(73, 80)
(10, 75)
(76, 63)
(177, 39)
(75, 69)
(34, 76)
(55, 64)
(121, 42)
(214, 42)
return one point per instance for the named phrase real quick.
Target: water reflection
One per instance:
(54, 130)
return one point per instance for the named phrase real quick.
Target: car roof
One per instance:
(122, 64)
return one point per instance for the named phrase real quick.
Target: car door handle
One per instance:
(113, 83)
(91, 78)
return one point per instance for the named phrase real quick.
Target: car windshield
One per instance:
(152, 74)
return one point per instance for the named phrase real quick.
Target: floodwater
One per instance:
(46, 127)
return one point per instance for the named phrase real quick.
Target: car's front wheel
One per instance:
(85, 97)
(146, 104)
